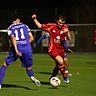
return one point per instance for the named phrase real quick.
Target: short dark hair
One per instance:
(14, 16)
(63, 18)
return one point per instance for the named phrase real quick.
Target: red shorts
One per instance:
(54, 53)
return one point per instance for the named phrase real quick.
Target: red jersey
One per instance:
(57, 37)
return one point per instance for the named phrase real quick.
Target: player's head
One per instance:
(15, 18)
(60, 21)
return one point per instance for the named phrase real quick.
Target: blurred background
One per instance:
(80, 17)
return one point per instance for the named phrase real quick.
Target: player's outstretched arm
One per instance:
(36, 21)
(40, 39)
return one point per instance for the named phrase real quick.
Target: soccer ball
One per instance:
(55, 81)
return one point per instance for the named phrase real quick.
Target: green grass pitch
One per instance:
(82, 82)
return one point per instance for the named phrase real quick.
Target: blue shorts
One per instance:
(26, 58)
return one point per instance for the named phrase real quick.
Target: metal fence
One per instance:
(83, 39)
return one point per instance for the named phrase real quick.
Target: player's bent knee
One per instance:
(29, 68)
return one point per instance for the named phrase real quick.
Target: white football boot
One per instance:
(66, 81)
(0, 86)
(36, 81)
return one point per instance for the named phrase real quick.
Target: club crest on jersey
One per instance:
(57, 37)
(53, 31)
(61, 32)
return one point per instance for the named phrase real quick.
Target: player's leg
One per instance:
(27, 62)
(2, 73)
(55, 70)
(8, 60)
(32, 77)
(61, 66)
(66, 65)
(66, 62)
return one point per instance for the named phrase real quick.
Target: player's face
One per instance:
(60, 23)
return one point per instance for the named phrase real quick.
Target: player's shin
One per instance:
(66, 65)
(29, 72)
(55, 72)
(31, 75)
(64, 72)
(2, 73)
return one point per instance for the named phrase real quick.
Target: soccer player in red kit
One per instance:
(58, 31)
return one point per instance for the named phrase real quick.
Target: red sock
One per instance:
(63, 71)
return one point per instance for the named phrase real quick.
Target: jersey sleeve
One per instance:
(66, 29)
(28, 29)
(47, 27)
(10, 32)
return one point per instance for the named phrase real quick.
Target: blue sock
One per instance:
(2, 73)
(30, 72)
(65, 78)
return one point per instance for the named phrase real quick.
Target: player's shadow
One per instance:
(45, 83)
(16, 86)
(47, 73)
(91, 63)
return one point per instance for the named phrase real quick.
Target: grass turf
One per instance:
(82, 82)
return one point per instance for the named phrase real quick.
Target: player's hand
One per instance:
(65, 30)
(19, 54)
(34, 16)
